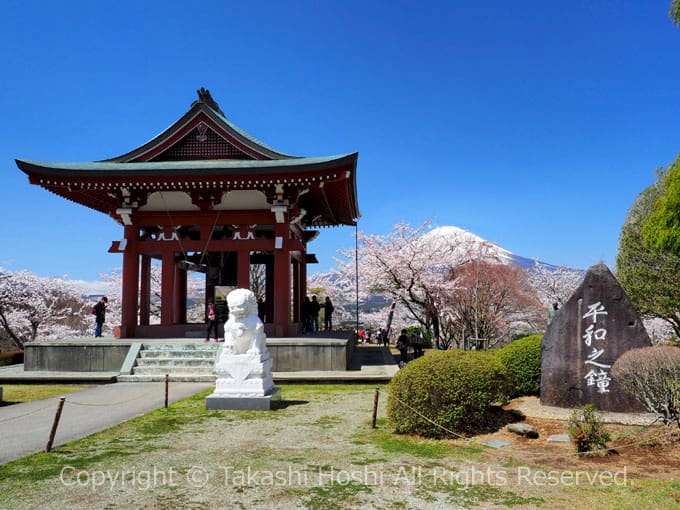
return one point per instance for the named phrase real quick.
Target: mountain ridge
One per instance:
(451, 232)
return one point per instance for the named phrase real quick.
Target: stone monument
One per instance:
(596, 326)
(243, 366)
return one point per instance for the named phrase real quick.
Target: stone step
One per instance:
(173, 370)
(190, 361)
(204, 354)
(171, 378)
(195, 334)
(175, 362)
(198, 346)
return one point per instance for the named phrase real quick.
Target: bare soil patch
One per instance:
(645, 450)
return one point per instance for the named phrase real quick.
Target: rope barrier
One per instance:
(26, 414)
(110, 403)
(428, 419)
(68, 401)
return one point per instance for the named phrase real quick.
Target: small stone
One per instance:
(523, 429)
(496, 443)
(559, 438)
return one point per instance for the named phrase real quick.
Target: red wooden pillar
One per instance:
(179, 311)
(297, 299)
(167, 288)
(303, 276)
(145, 291)
(269, 289)
(281, 292)
(243, 269)
(128, 314)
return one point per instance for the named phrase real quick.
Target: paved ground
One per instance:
(25, 428)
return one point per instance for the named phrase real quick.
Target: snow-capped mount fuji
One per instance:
(456, 236)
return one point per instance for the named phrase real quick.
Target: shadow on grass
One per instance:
(283, 404)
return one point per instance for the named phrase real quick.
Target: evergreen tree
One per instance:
(650, 277)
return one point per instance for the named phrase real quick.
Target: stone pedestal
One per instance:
(257, 403)
(244, 381)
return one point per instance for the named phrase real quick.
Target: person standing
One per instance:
(314, 309)
(402, 345)
(384, 337)
(261, 309)
(305, 310)
(328, 314)
(99, 311)
(417, 343)
(212, 321)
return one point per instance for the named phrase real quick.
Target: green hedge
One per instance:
(11, 358)
(522, 360)
(445, 392)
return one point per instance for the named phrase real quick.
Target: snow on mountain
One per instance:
(465, 240)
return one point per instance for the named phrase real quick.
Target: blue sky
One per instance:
(533, 124)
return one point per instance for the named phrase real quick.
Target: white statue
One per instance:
(244, 366)
(243, 331)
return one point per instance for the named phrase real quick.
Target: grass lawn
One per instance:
(18, 393)
(317, 450)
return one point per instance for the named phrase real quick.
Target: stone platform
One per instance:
(367, 364)
(332, 351)
(256, 403)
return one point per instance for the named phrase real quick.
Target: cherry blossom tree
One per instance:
(340, 287)
(113, 282)
(491, 302)
(423, 275)
(554, 285)
(31, 306)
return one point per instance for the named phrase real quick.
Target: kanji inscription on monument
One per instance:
(596, 326)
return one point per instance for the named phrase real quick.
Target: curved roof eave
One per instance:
(195, 167)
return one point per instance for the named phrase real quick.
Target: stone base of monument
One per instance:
(243, 403)
(244, 382)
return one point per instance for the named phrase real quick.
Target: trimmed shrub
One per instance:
(651, 375)
(11, 358)
(587, 432)
(522, 360)
(446, 392)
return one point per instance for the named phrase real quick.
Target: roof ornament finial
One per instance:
(205, 97)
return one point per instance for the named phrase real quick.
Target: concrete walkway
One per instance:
(25, 428)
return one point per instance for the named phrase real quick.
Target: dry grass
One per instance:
(316, 451)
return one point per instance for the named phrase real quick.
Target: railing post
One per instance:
(375, 406)
(55, 424)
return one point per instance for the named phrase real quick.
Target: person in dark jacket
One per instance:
(417, 343)
(402, 345)
(100, 315)
(314, 309)
(305, 312)
(328, 314)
